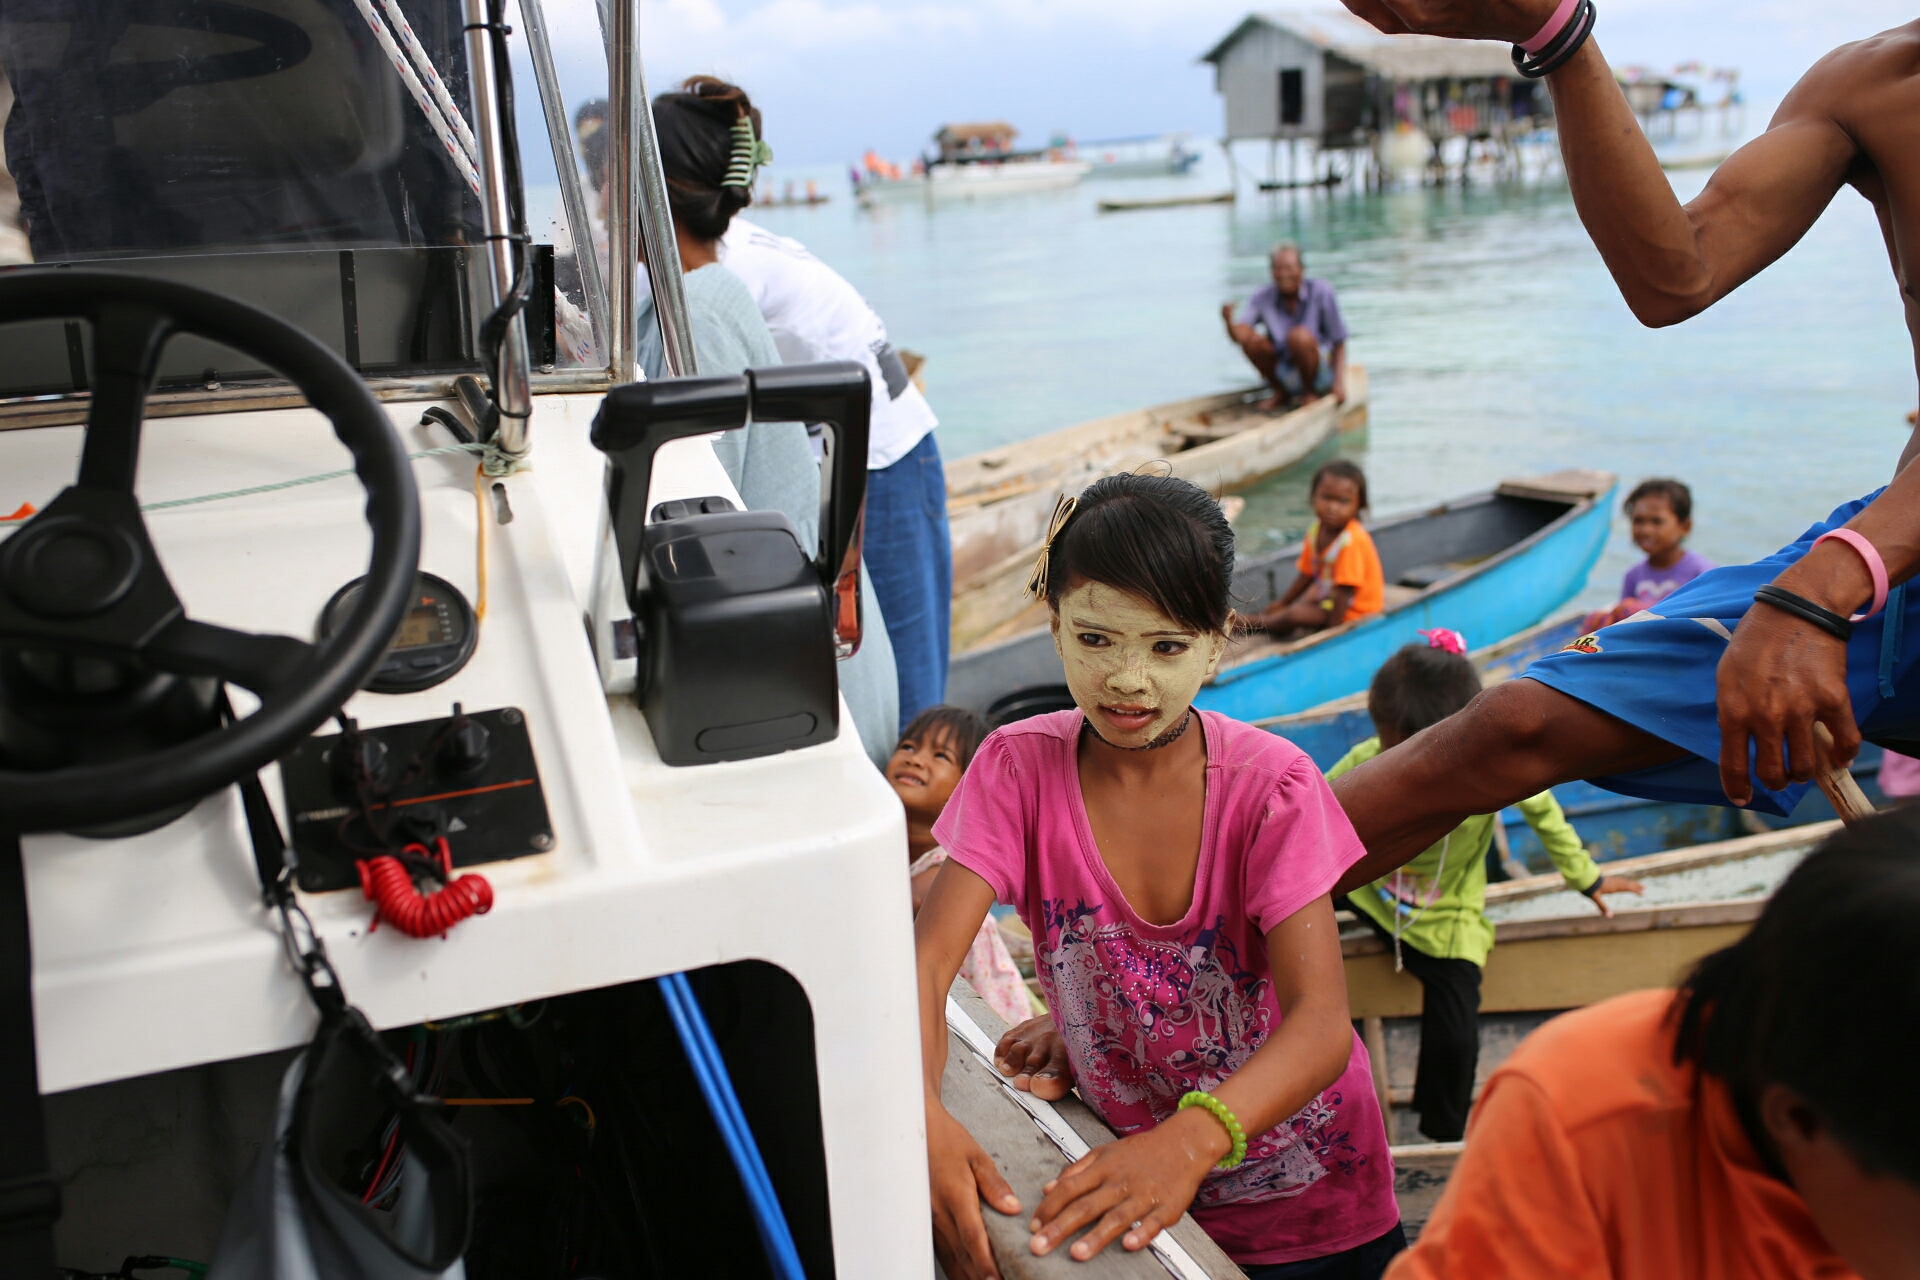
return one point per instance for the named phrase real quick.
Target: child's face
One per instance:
(924, 771)
(1133, 670)
(1655, 528)
(1336, 501)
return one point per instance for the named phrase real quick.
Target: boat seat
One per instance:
(1422, 576)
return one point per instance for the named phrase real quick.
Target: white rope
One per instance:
(1168, 1250)
(429, 73)
(435, 120)
(1413, 918)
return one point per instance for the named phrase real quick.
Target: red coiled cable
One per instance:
(389, 886)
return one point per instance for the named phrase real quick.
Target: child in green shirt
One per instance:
(1433, 910)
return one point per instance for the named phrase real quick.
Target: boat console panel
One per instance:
(469, 778)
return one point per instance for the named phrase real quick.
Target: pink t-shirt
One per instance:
(1150, 1011)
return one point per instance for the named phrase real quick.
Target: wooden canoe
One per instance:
(1555, 952)
(999, 500)
(1488, 564)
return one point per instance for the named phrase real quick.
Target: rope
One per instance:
(294, 484)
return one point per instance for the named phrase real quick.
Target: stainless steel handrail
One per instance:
(553, 107)
(646, 184)
(511, 393)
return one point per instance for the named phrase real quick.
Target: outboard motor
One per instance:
(738, 628)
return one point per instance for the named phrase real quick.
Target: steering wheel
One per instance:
(81, 577)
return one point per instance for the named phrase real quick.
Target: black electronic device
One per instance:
(435, 639)
(470, 776)
(739, 625)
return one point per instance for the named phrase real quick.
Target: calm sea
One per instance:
(1496, 342)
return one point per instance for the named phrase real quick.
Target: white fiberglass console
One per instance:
(155, 952)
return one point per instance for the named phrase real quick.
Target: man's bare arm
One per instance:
(1670, 261)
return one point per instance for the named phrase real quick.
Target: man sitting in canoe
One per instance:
(1715, 694)
(1292, 333)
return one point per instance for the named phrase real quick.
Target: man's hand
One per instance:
(1611, 884)
(1035, 1055)
(963, 1175)
(1136, 1187)
(1508, 20)
(1776, 679)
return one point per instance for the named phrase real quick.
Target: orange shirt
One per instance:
(1590, 1156)
(1349, 561)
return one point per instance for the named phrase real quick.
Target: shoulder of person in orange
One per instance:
(1759, 1124)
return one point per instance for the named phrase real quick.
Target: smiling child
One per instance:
(1661, 512)
(1175, 867)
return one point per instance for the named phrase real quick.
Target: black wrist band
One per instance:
(1834, 624)
(1593, 890)
(1560, 49)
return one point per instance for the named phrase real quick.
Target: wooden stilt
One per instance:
(1373, 1033)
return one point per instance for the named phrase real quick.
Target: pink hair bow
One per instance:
(1446, 638)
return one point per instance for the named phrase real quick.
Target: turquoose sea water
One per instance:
(1496, 341)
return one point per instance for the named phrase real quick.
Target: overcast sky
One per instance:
(837, 76)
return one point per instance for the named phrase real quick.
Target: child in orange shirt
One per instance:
(1759, 1125)
(1340, 575)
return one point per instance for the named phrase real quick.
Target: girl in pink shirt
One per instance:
(1175, 867)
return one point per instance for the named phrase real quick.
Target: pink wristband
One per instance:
(1876, 567)
(1552, 29)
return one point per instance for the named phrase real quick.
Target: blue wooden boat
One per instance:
(1612, 826)
(1487, 565)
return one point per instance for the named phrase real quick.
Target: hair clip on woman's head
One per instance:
(749, 153)
(1446, 639)
(1062, 512)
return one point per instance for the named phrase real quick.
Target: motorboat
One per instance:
(974, 161)
(1153, 155)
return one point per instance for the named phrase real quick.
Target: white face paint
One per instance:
(1133, 670)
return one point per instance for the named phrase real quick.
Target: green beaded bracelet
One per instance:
(1220, 1112)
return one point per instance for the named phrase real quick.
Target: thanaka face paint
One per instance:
(1133, 671)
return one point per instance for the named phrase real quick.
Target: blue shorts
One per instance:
(1296, 385)
(1656, 671)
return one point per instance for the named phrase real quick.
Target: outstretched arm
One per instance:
(1671, 261)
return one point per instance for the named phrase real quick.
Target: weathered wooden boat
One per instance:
(1491, 563)
(1613, 826)
(1554, 952)
(998, 500)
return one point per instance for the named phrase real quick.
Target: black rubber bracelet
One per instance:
(1560, 49)
(1834, 624)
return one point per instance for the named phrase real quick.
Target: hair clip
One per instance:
(1446, 639)
(749, 153)
(1062, 512)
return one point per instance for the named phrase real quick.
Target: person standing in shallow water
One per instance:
(1291, 331)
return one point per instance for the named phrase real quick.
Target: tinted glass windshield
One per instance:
(144, 126)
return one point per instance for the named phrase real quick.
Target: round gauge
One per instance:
(436, 636)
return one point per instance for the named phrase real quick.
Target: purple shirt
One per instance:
(1649, 585)
(1150, 1011)
(1315, 308)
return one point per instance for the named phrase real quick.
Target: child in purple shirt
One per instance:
(1662, 514)
(1175, 867)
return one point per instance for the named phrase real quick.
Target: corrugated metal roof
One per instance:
(1399, 57)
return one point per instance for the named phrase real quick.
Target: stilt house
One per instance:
(1329, 79)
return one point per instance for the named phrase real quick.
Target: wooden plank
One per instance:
(1420, 1173)
(1675, 860)
(1029, 1160)
(1573, 485)
(1555, 972)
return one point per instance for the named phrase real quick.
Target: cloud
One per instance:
(836, 76)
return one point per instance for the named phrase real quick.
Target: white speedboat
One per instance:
(975, 180)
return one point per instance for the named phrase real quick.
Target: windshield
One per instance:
(312, 157)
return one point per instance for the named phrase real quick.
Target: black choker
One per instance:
(1166, 739)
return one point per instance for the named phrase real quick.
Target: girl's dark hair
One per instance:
(695, 126)
(1344, 470)
(966, 729)
(1418, 687)
(1157, 537)
(1678, 496)
(1823, 996)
